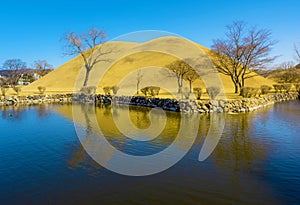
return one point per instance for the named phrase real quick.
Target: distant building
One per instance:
(28, 75)
(23, 82)
(36, 76)
(26, 79)
(2, 77)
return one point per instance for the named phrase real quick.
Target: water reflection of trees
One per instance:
(42, 110)
(104, 114)
(239, 149)
(81, 159)
(14, 112)
(11, 112)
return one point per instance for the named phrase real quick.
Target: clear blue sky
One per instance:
(31, 30)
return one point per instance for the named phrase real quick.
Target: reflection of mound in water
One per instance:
(140, 118)
(109, 116)
(96, 141)
(240, 146)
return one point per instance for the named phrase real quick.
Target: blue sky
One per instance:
(31, 30)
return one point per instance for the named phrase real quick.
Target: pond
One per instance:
(43, 161)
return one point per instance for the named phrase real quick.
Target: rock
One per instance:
(220, 110)
(242, 110)
(222, 103)
(214, 103)
(208, 106)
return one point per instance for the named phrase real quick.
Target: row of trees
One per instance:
(284, 73)
(14, 69)
(182, 71)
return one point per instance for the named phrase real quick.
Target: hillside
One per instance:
(291, 75)
(127, 57)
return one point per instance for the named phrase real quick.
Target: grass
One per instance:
(130, 57)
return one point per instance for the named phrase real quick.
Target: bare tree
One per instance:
(139, 77)
(297, 50)
(43, 67)
(13, 67)
(3, 80)
(244, 49)
(179, 69)
(286, 65)
(84, 45)
(191, 76)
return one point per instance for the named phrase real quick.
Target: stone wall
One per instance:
(201, 106)
(246, 105)
(35, 99)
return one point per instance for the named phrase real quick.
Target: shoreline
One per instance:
(183, 105)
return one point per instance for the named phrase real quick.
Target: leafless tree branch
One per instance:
(13, 66)
(88, 45)
(244, 49)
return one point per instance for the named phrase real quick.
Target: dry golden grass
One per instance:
(130, 56)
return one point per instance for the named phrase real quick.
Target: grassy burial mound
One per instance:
(123, 61)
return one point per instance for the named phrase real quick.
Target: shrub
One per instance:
(256, 92)
(88, 90)
(114, 89)
(145, 91)
(153, 90)
(106, 90)
(278, 88)
(213, 92)
(297, 86)
(4, 89)
(197, 92)
(248, 92)
(17, 89)
(265, 89)
(150, 90)
(41, 89)
(287, 87)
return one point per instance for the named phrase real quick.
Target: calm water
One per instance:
(257, 160)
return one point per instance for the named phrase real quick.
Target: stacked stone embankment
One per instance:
(200, 106)
(35, 99)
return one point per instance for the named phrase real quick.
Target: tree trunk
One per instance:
(236, 88)
(86, 79)
(137, 88)
(190, 86)
(179, 81)
(235, 83)
(243, 82)
(179, 89)
(241, 89)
